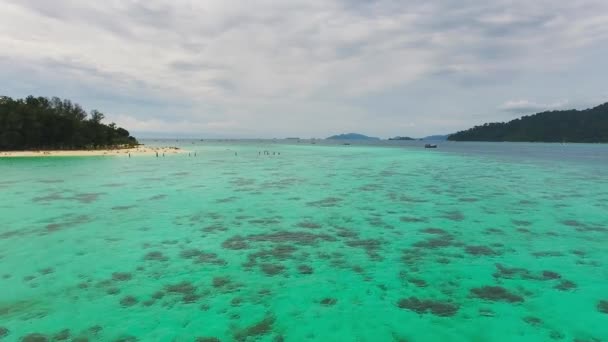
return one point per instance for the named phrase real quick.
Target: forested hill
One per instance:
(42, 123)
(589, 126)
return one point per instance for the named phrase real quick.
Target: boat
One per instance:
(430, 146)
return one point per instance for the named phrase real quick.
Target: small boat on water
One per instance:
(430, 146)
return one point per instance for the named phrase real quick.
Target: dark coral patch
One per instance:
(67, 221)
(418, 282)
(602, 306)
(113, 291)
(261, 328)
(121, 276)
(565, 285)
(309, 225)
(47, 270)
(442, 241)
(124, 207)
(534, 321)
(278, 252)
(544, 254)
(329, 301)
(272, 269)
(87, 197)
(215, 228)
(437, 308)
(200, 257)
(155, 256)
(185, 287)
(235, 243)
(238, 242)
(302, 238)
(494, 231)
(158, 295)
(207, 339)
(4, 332)
(521, 223)
(437, 231)
(220, 281)
(556, 335)
(305, 269)
(410, 219)
(346, 233)
(550, 275)
(128, 301)
(454, 216)
(190, 298)
(496, 294)
(35, 337)
(371, 246)
(268, 221)
(480, 250)
(63, 335)
(522, 273)
(326, 202)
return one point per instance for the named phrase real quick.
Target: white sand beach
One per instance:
(125, 152)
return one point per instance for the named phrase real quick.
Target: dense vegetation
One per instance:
(590, 125)
(41, 123)
(351, 136)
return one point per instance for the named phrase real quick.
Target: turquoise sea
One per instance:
(311, 242)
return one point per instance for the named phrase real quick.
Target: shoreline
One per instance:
(122, 152)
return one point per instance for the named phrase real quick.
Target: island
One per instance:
(401, 138)
(437, 137)
(39, 126)
(584, 126)
(351, 136)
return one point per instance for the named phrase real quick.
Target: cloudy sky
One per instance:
(222, 68)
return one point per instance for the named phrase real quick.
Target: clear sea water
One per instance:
(322, 242)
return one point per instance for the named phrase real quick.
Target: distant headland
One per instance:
(584, 126)
(351, 136)
(401, 138)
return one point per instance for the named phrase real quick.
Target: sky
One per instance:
(265, 68)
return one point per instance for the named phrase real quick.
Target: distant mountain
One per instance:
(401, 138)
(436, 137)
(589, 125)
(351, 136)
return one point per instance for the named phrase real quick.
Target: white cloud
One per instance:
(525, 106)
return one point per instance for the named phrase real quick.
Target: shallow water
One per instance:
(470, 242)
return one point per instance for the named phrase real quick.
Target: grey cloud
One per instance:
(194, 66)
(241, 58)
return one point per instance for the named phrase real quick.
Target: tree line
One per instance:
(585, 126)
(43, 123)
